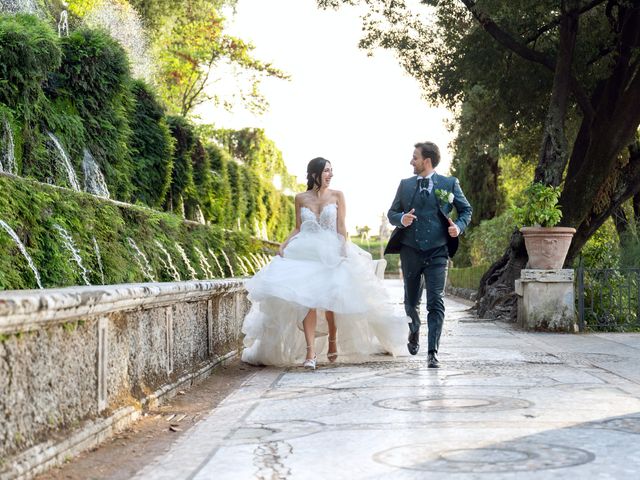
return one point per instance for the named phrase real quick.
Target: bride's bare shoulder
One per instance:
(302, 199)
(337, 195)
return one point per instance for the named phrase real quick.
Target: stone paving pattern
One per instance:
(505, 405)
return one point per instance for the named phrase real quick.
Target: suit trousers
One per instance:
(422, 269)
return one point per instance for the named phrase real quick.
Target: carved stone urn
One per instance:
(547, 247)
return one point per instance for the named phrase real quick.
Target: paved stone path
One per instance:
(505, 405)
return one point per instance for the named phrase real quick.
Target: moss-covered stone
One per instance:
(32, 209)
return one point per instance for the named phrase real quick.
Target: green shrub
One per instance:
(630, 251)
(202, 178)
(29, 51)
(151, 147)
(255, 213)
(252, 147)
(280, 229)
(467, 277)
(280, 212)
(540, 207)
(221, 211)
(238, 193)
(602, 250)
(60, 117)
(94, 77)
(489, 240)
(182, 190)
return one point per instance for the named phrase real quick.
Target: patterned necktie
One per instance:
(424, 186)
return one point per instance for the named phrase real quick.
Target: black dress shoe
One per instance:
(432, 360)
(413, 346)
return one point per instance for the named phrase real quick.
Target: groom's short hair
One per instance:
(429, 150)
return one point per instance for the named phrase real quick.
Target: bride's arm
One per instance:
(342, 212)
(295, 231)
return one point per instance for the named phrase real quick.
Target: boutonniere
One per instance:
(444, 197)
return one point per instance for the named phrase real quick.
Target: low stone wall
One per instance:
(78, 363)
(466, 293)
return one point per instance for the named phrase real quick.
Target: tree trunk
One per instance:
(554, 149)
(496, 294)
(634, 151)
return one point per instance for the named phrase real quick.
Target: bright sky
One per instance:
(362, 113)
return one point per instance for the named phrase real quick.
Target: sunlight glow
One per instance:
(362, 113)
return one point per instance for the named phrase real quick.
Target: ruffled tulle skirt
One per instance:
(320, 271)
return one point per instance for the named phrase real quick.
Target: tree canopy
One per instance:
(556, 82)
(192, 47)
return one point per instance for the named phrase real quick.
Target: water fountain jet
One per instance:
(96, 248)
(124, 24)
(23, 250)
(94, 181)
(217, 263)
(64, 161)
(63, 22)
(70, 245)
(7, 153)
(142, 260)
(204, 265)
(243, 267)
(226, 259)
(183, 254)
(173, 271)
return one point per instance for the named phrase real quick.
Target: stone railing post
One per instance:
(546, 300)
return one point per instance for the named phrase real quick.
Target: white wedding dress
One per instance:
(319, 270)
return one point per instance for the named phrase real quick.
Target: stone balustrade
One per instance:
(76, 364)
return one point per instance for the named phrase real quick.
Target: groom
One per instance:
(425, 237)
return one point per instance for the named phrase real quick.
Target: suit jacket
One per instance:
(405, 199)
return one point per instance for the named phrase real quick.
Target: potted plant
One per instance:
(546, 244)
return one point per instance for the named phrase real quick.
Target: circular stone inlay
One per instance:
(488, 455)
(442, 403)
(274, 432)
(624, 424)
(504, 457)
(453, 404)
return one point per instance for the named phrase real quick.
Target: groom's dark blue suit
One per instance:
(425, 246)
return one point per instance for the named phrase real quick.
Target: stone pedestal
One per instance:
(546, 300)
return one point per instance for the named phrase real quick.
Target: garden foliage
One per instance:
(79, 88)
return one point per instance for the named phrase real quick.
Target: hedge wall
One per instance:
(33, 210)
(79, 88)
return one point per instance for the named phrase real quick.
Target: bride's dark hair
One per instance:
(314, 172)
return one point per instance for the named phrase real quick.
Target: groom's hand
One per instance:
(453, 229)
(408, 218)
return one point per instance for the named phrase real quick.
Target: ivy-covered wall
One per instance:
(107, 236)
(66, 99)
(79, 89)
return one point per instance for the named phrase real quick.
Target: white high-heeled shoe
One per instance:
(310, 362)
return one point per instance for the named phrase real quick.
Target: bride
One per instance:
(321, 285)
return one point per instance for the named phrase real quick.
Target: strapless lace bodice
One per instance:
(328, 218)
